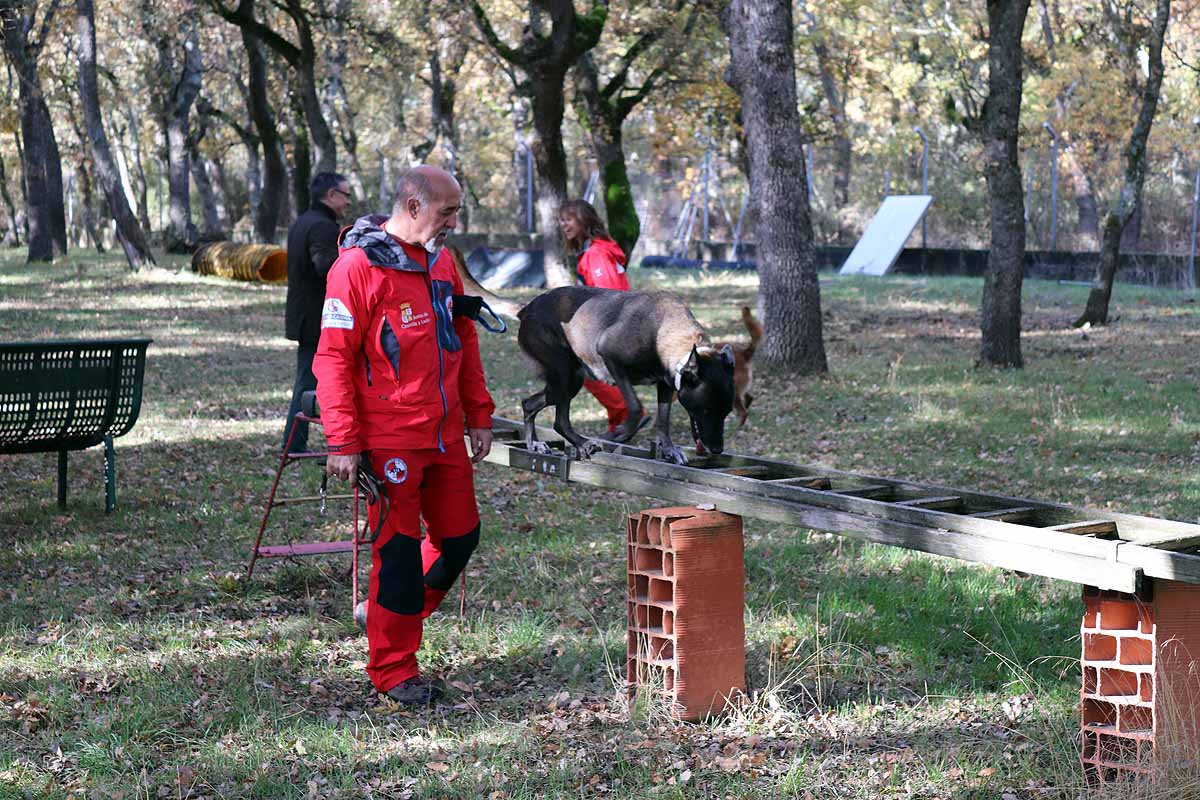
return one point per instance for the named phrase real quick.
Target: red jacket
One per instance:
(602, 264)
(395, 369)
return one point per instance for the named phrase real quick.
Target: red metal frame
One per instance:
(356, 541)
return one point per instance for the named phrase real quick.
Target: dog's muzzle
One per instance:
(701, 448)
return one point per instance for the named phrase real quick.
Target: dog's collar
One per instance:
(679, 373)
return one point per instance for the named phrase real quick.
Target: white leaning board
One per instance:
(884, 238)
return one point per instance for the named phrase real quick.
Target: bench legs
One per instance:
(62, 479)
(110, 477)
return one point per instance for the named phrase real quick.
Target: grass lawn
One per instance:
(136, 661)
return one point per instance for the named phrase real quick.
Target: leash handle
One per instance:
(502, 327)
(375, 493)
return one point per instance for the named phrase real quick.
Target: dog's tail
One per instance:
(755, 329)
(500, 305)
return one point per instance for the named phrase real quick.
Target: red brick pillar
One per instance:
(1141, 680)
(686, 593)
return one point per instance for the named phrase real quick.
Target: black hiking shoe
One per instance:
(416, 691)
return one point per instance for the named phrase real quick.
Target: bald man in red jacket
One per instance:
(400, 381)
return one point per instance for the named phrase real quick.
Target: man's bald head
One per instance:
(425, 184)
(428, 200)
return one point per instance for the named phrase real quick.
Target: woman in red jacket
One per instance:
(601, 263)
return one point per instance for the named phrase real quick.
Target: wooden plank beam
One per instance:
(1102, 528)
(751, 471)
(1015, 514)
(1009, 555)
(944, 503)
(807, 482)
(872, 491)
(868, 507)
(1160, 563)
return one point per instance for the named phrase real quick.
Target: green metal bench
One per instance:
(58, 396)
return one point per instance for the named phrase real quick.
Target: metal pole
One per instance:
(528, 189)
(924, 173)
(590, 191)
(808, 172)
(161, 170)
(737, 232)
(1028, 190)
(707, 172)
(1053, 186)
(1195, 209)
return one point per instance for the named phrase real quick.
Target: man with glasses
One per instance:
(311, 250)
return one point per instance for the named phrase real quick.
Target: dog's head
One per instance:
(706, 393)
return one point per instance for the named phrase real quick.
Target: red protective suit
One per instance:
(399, 377)
(602, 264)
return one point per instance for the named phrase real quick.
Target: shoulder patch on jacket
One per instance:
(334, 314)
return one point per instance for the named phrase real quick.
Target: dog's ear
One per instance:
(727, 356)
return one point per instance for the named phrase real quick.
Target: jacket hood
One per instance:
(609, 248)
(382, 249)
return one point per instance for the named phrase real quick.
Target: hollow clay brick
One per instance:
(693, 642)
(1141, 679)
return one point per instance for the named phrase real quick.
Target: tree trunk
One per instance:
(762, 71)
(45, 216)
(1000, 311)
(135, 171)
(224, 194)
(208, 198)
(274, 182)
(301, 169)
(604, 121)
(526, 191)
(337, 106)
(12, 236)
(54, 179)
(550, 162)
(181, 233)
(545, 58)
(324, 146)
(129, 233)
(88, 205)
(843, 152)
(1085, 197)
(302, 58)
(1130, 198)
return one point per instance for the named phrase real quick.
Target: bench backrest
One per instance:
(68, 395)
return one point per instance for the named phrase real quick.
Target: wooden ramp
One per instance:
(1094, 548)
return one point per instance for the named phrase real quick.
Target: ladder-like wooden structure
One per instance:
(1090, 547)
(1141, 624)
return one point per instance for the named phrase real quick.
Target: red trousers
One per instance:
(610, 397)
(411, 575)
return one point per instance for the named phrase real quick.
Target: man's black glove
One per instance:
(467, 305)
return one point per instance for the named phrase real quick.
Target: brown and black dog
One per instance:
(625, 338)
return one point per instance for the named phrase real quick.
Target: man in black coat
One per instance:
(311, 250)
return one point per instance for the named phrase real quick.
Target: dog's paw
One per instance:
(590, 447)
(673, 455)
(541, 448)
